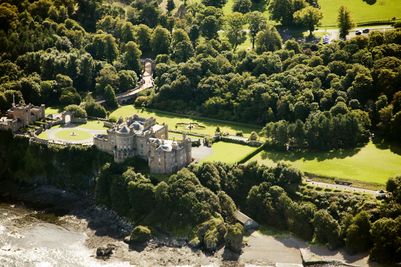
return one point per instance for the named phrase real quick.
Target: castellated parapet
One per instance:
(144, 138)
(20, 115)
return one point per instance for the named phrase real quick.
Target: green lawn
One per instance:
(360, 10)
(228, 152)
(65, 134)
(53, 110)
(178, 136)
(370, 163)
(73, 135)
(172, 119)
(93, 125)
(43, 135)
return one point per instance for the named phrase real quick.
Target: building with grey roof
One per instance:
(143, 138)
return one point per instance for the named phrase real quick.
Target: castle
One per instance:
(140, 137)
(19, 116)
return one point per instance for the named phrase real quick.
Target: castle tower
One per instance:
(188, 149)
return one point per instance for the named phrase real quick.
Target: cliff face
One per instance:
(73, 168)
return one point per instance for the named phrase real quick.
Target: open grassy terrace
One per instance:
(202, 125)
(228, 152)
(92, 125)
(369, 163)
(73, 135)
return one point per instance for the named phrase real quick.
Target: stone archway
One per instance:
(67, 117)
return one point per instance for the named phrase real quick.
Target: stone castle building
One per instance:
(143, 138)
(19, 116)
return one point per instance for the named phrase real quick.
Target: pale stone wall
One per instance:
(22, 115)
(145, 139)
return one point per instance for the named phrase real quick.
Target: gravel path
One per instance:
(343, 187)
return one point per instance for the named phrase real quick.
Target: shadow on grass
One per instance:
(291, 33)
(380, 143)
(207, 122)
(309, 155)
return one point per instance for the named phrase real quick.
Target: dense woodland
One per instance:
(199, 201)
(309, 95)
(207, 194)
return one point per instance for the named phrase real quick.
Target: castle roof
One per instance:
(164, 144)
(124, 130)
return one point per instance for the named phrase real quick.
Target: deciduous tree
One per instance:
(344, 21)
(309, 17)
(235, 29)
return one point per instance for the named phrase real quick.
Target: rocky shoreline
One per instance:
(103, 228)
(102, 233)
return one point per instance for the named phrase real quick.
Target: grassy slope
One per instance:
(228, 152)
(360, 10)
(171, 120)
(370, 163)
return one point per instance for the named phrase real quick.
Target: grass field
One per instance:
(93, 125)
(228, 152)
(52, 110)
(43, 135)
(370, 163)
(73, 135)
(171, 120)
(360, 10)
(66, 134)
(178, 136)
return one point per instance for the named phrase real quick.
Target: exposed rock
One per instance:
(127, 239)
(105, 252)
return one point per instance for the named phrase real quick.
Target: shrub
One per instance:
(358, 238)
(234, 237)
(95, 110)
(76, 111)
(140, 234)
(254, 136)
(210, 234)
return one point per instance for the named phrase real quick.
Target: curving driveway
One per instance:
(52, 135)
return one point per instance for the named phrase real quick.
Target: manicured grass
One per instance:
(172, 119)
(93, 125)
(360, 10)
(369, 164)
(90, 125)
(52, 110)
(178, 136)
(43, 135)
(79, 135)
(228, 152)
